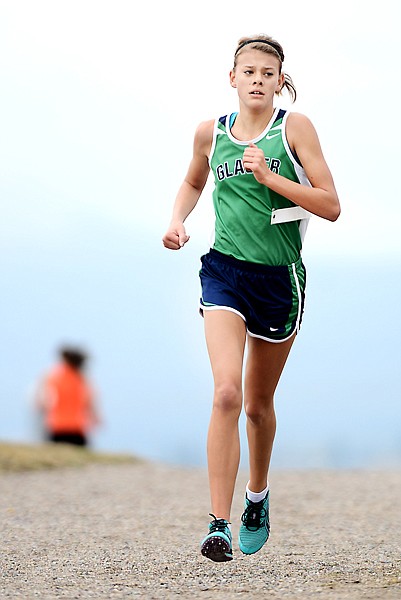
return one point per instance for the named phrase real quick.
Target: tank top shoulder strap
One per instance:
(280, 115)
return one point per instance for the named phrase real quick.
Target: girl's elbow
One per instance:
(335, 212)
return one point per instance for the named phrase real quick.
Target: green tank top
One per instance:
(244, 207)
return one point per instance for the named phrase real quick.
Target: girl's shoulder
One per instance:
(205, 129)
(299, 127)
(204, 136)
(296, 119)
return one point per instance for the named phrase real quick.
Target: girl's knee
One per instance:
(228, 398)
(258, 413)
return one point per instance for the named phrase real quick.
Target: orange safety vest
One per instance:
(69, 401)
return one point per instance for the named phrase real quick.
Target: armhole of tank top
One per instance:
(293, 155)
(299, 170)
(215, 130)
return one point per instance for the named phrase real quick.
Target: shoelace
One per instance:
(217, 524)
(253, 515)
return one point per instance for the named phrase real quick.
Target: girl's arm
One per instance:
(191, 188)
(320, 199)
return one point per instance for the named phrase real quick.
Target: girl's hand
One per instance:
(254, 161)
(175, 237)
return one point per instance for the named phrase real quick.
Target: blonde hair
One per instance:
(268, 45)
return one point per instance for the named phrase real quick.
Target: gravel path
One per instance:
(132, 531)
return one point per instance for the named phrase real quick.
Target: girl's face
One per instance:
(257, 78)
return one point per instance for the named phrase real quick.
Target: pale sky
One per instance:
(100, 104)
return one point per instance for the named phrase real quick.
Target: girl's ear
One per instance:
(280, 83)
(232, 79)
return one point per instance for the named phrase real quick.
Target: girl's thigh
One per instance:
(265, 363)
(225, 333)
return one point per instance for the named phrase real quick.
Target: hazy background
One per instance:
(98, 110)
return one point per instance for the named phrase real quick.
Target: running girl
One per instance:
(270, 175)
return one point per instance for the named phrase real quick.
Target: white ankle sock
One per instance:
(256, 496)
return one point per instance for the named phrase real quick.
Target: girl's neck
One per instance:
(248, 126)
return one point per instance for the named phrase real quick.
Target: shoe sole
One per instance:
(249, 552)
(246, 550)
(216, 549)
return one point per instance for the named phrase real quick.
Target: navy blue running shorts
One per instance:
(270, 299)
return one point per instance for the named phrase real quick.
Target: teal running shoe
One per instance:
(217, 545)
(255, 526)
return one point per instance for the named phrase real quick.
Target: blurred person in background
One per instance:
(66, 400)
